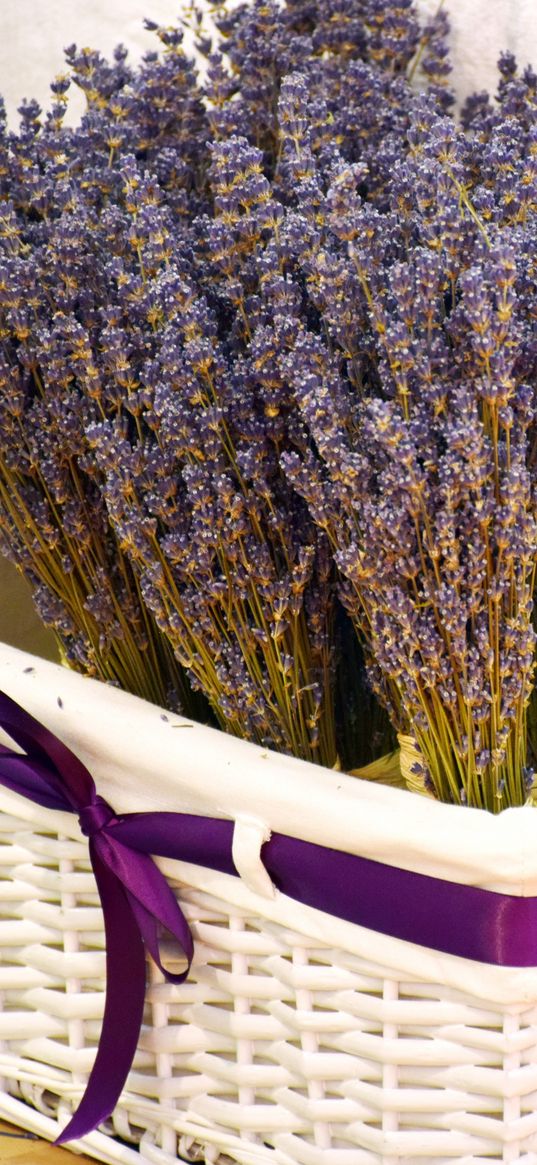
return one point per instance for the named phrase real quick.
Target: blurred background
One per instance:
(19, 624)
(33, 36)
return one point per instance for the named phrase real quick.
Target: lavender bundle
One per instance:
(170, 539)
(228, 561)
(421, 477)
(225, 576)
(269, 352)
(53, 520)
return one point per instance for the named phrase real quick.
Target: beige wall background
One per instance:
(33, 34)
(480, 31)
(19, 624)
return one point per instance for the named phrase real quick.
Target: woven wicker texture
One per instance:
(279, 1050)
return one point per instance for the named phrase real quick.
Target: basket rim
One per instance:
(202, 770)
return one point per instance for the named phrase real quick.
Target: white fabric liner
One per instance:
(141, 762)
(175, 764)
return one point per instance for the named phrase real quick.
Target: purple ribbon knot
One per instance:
(96, 816)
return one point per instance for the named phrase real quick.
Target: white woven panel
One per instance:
(280, 1050)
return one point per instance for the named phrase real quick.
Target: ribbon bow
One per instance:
(135, 898)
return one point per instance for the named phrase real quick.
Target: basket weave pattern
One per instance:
(278, 1050)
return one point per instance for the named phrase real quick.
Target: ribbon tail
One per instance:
(151, 900)
(123, 1012)
(176, 925)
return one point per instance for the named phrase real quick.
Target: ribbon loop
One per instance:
(95, 816)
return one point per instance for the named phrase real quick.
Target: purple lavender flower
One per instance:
(267, 336)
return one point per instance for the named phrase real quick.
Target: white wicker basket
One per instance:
(299, 1039)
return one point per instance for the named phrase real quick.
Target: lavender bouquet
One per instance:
(267, 385)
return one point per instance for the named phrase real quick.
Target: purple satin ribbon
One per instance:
(138, 903)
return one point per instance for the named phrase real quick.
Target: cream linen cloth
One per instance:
(480, 31)
(33, 34)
